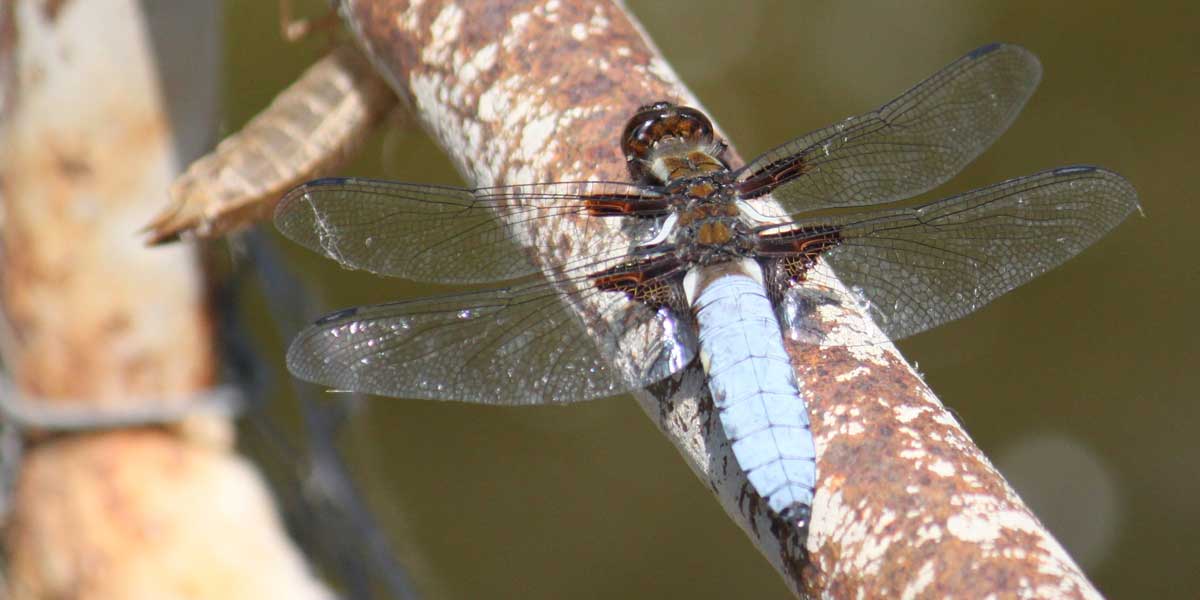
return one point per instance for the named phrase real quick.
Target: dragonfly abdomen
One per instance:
(755, 392)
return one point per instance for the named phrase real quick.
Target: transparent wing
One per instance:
(442, 233)
(923, 266)
(907, 147)
(515, 345)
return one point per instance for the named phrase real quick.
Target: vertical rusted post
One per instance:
(906, 505)
(103, 104)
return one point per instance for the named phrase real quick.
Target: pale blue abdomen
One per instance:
(755, 392)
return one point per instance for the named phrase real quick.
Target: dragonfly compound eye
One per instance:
(660, 125)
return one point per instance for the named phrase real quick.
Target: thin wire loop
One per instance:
(61, 415)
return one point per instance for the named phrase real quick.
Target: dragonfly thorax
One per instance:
(709, 226)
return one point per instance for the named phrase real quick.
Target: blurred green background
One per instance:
(1081, 386)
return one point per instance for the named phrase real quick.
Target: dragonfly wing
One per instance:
(923, 266)
(442, 233)
(515, 345)
(908, 146)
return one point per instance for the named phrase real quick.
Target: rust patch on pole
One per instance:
(906, 505)
(518, 92)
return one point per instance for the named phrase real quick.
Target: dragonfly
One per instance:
(692, 261)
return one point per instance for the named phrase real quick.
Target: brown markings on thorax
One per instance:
(691, 164)
(713, 222)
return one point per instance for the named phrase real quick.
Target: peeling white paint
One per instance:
(943, 468)
(473, 134)
(907, 414)
(872, 548)
(931, 533)
(483, 60)
(444, 33)
(883, 522)
(973, 530)
(599, 21)
(854, 373)
(408, 20)
(984, 518)
(945, 418)
(518, 25)
(828, 510)
(918, 584)
(536, 136)
(431, 95)
(520, 112)
(494, 102)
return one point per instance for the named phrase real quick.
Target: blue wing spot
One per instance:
(984, 50)
(1075, 169)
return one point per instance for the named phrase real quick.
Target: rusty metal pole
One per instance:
(906, 505)
(103, 103)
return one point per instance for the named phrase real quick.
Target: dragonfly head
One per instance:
(663, 131)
